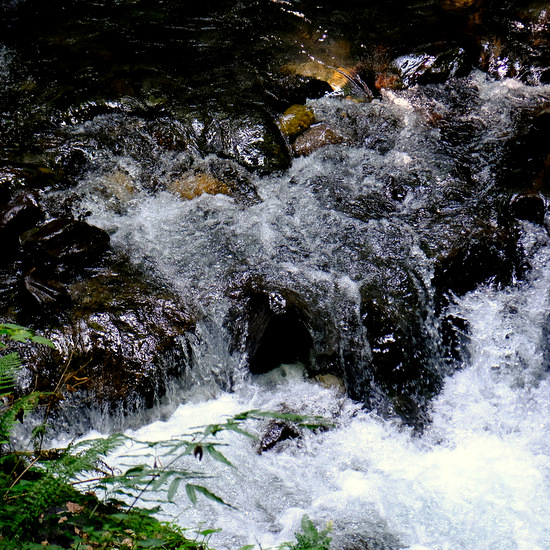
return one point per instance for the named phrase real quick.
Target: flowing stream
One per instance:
(479, 474)
(479, 477)
(361, 222)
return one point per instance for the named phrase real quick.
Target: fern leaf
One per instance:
(9, 366)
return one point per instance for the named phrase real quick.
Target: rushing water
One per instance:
(479, 475)
(416, 171)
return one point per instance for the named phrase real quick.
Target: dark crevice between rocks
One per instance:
(271, 329)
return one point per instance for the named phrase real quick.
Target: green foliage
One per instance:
(13, 410)
(22, 334)
(310, 538)
(49, 498)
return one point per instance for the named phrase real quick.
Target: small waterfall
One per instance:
(479, 474)
(388, 257)
(479, 477)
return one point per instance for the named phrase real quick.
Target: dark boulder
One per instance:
(396, 308)
(251, 139)
(434, 65)
(293, 89)
(275, 433)
(64, 243)
(17, 217)
(120, 345)
(516, 46)
(486, 256)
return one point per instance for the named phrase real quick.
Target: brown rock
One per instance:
(193, 184)
(314, 138)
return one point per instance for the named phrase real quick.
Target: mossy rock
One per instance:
(295, 120)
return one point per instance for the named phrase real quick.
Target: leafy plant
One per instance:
(49, 498)
(13, 410)
(310, 538)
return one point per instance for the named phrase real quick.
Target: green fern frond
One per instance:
(9, 367)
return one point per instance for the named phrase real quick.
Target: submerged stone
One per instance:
(314, 138)
(215, 176)
(193, 184)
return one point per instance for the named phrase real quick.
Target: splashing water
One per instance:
(479, 475)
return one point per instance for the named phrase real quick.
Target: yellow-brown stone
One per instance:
(295, 120)
(193, 184)
(119, 184)
(316, 137)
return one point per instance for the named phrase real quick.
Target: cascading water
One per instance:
(478, 477)
(348, 252)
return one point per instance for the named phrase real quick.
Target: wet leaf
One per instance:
(191, 493)
(216, 455)
(173, 489)
(208, 494)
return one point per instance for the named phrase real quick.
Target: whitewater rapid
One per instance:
(478, 477)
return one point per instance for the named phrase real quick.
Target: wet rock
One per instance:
(74, 161)
(314, 138)
(253, 140)
(213, 176)
(119, 185)
(119, 346)
(296, 89)
(193, 184)
(518, 46)
(295, 120)
(456, 5)
(330, 61)
(65, 242)
(275, 433)
(454, 336)
(46, 291)
(330, 381)
(526, 157)
(486, 256)
(317, 70)
(16, 218)
(428, 67)
(396, 311)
